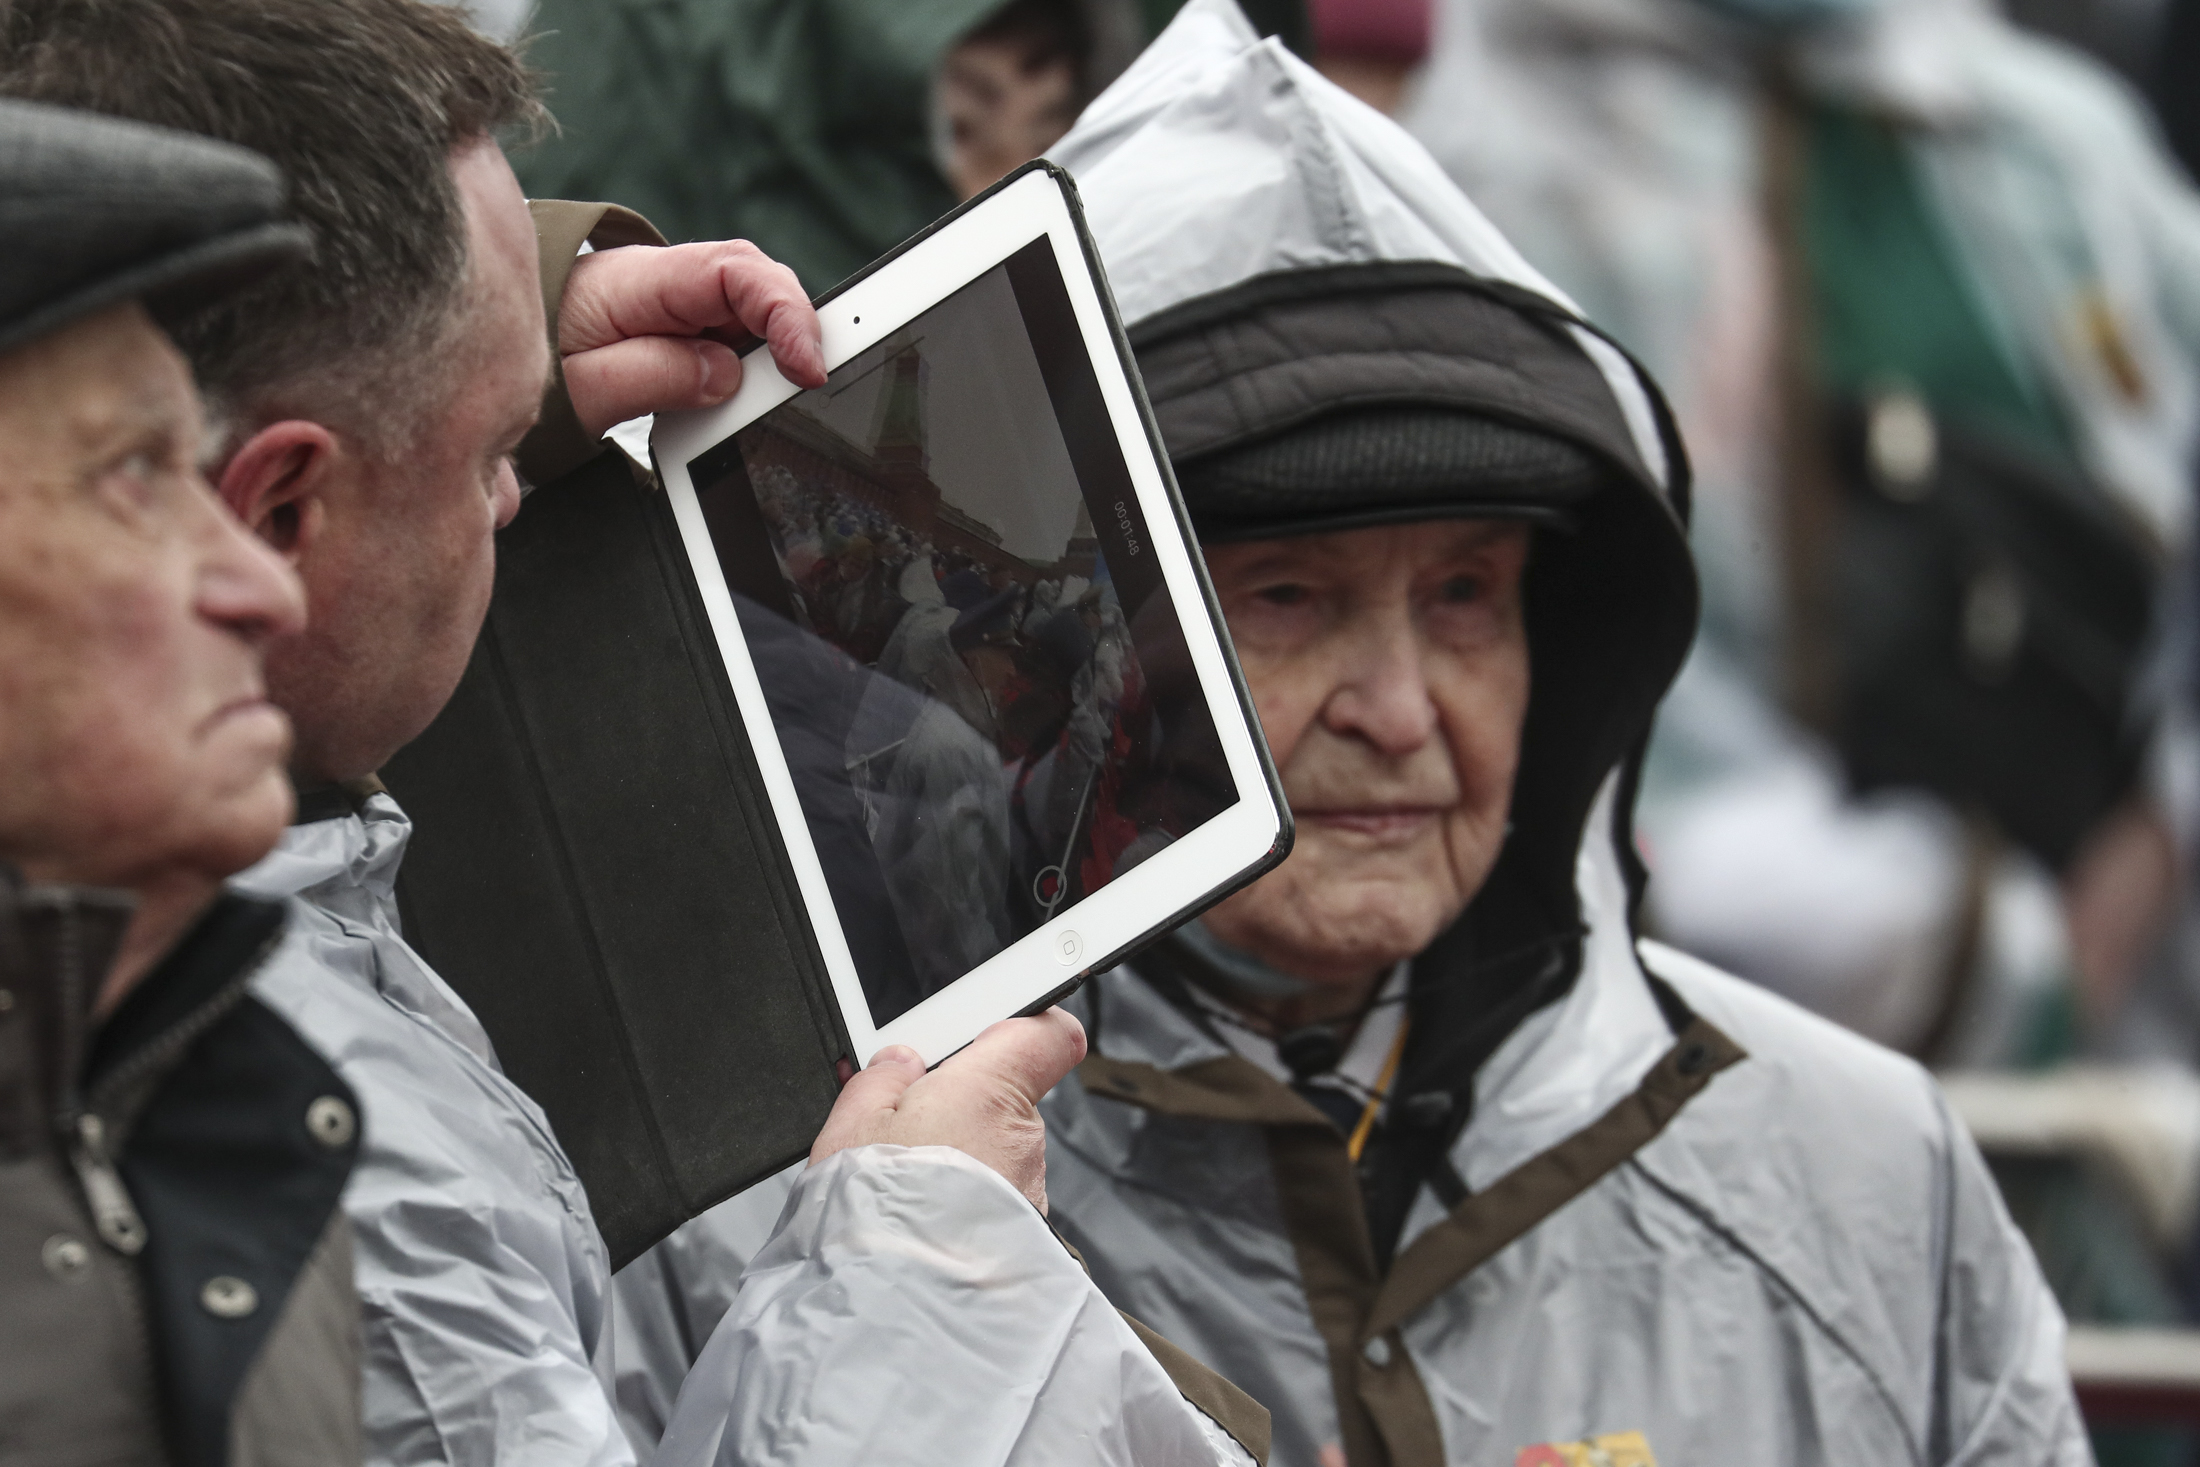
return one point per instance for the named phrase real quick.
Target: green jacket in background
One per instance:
(801, 125)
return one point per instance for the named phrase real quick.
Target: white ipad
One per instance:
(996, 712)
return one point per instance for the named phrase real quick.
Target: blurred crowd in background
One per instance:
(1923, 281)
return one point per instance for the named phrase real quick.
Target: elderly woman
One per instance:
(1413, 1139)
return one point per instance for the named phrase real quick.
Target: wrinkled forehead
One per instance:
(1369, 550)
(110, 384)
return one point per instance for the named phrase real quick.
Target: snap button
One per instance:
(228, 1298)
(1694, 1058)
(1376, 1352)
(66, 1258)
(331, 1122)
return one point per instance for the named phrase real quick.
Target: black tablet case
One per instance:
(595, 867)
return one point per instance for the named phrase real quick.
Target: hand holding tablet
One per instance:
(900, 710)
(643, 329)
(984, 1101)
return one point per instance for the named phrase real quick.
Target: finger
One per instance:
(686, 290)
(1332, 1456)
(648, 374)
(868, 1101)
(1031, 1055)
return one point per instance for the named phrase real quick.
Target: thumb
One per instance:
(868, 1101)
(1031, 1055)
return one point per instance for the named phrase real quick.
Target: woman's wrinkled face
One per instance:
(1390, 670)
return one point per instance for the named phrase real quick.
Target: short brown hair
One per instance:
(360, 102)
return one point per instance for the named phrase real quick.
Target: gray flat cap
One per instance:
(95, 211)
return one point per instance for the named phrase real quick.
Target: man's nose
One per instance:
(1384, 697)
(244, 585)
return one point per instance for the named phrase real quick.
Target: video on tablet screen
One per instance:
(951, 599)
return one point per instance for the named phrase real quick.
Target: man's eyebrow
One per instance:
(1277, 558)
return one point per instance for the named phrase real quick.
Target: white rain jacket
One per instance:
(1667, 1213)
(1809, 1264)
(909, 1306)
(1621, 145)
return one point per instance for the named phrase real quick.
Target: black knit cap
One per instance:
(1391, 392)
(1360, 466)
(1330, 399)
(95, 211)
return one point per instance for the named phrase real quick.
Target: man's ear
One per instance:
(278, 481)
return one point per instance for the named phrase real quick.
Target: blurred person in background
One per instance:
(827, 131)
(175, 1271)
(1927, 292)
(1929, 295)
(373, 412)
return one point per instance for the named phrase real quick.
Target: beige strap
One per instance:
(1318, 1192)
(1485, 1222)
(1319, 1195)
(1227, 1088)
(559, 444)
(1383, 1409)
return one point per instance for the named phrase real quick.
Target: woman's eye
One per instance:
(1285, 595)
(1460, 590)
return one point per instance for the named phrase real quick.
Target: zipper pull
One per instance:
(113, 1213)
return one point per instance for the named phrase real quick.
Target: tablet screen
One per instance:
(950, 596)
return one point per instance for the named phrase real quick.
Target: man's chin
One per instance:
(241, 824)
(1327, 929)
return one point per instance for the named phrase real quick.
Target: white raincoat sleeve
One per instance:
(914, 1308)
(480, 1271)
(2005, 1393)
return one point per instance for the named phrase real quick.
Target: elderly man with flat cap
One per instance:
(175, 1272)
(1413, 1139)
